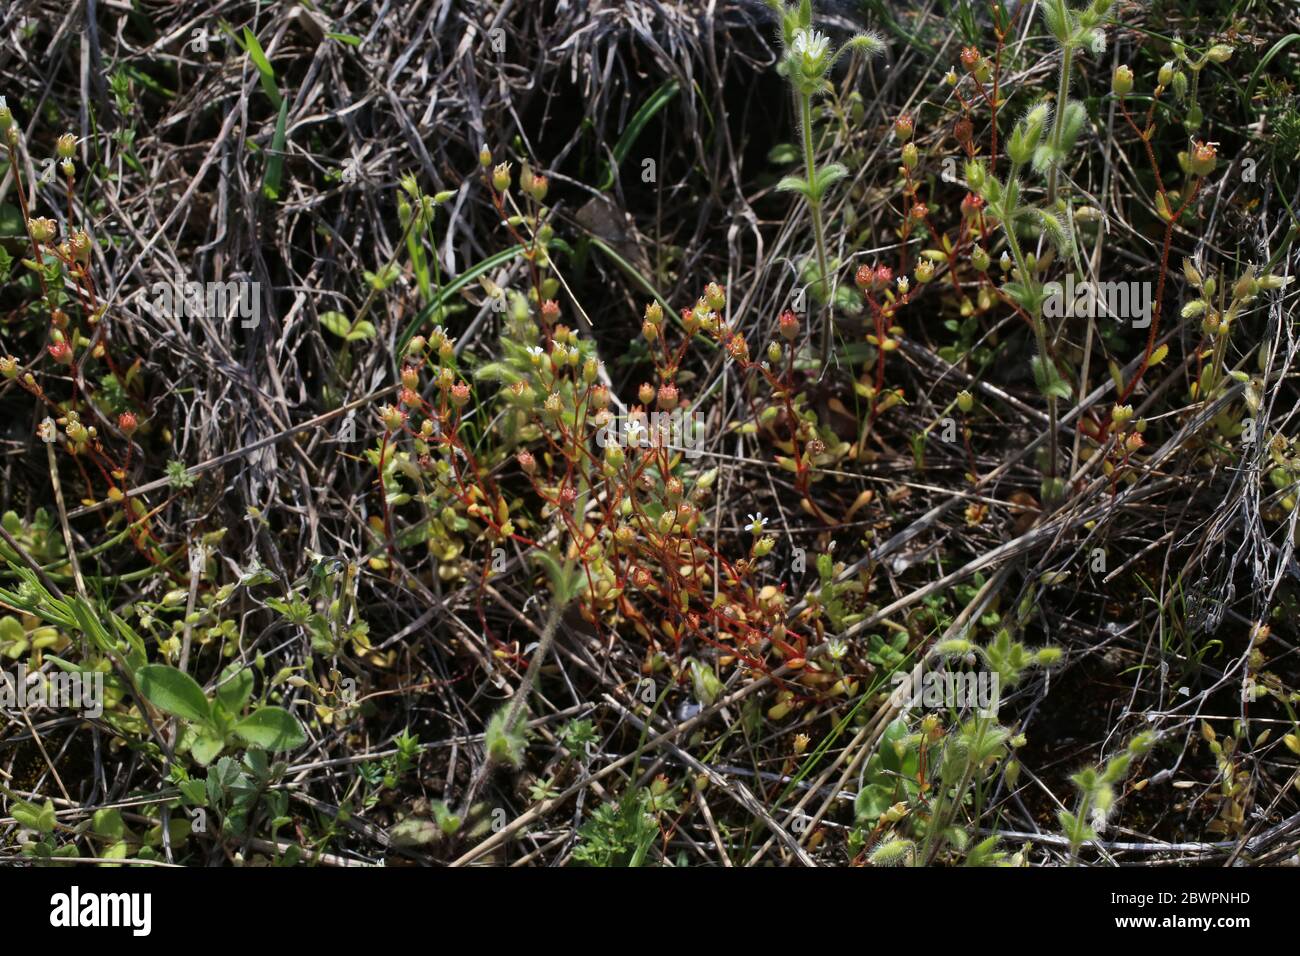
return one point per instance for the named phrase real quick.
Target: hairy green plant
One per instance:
(214, 723)
(806, 64)
(1096, 788)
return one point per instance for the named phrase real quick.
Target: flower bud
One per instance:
(965, 401)
(654, 313)
(715, 296)
(1203, 158)
(485, 157)
(410, 376)
(646, 394)
(1120, 415)
(1166, 74)
(788, 325)
(42, 229)
(1220, 53)
(774, 352)
(910, 156)
(61, 352)
(1121, 81)
(1247, 287)
(979, 258)
(501, 177)
(79, 243)
(66, 145)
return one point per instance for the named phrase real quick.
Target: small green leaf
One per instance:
(271, 728)
(794, 184)
(205, 745)
(235, 688)
(33, 817)
(173, 692)
(361, 331)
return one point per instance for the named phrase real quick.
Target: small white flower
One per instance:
(810, 44)
(756, 522)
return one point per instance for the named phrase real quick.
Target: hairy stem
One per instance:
(815, 207)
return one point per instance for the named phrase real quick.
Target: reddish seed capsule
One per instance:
(127, 424)
(963, 130)
(61, 352)
(410, 376)
(667, 396)
(864, 277)
(788, 324)
(527, 462)
(883, 276)
(903, 127)
(409, 397)
(550, 310)
(970, 57)
(460, 394)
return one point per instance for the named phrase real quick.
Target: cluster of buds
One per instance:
(79, 435)
(976, 64)
(1216, 323)
(66, 147)
(654, 317)
(875, 279)
(533, 185)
